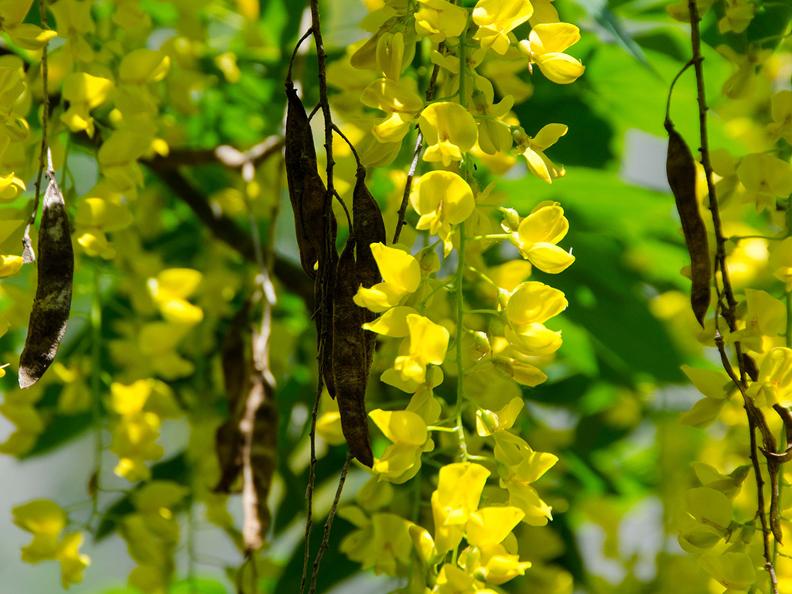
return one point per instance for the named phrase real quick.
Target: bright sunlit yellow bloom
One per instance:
(443, 199)
(439, 19)
(449, 130)
(84, 92)
(496, 19)
(457, 496)
(545, 47)
(401, 275)
(10, 265)
(774, 385)
(170, 291)
(537, 236)
(534, 149)
(426, 344)
(766, 178)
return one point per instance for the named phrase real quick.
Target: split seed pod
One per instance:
(350, 360)
(307, 191)
(52, 303)
(681, 172)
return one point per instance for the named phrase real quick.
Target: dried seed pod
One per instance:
(749, 364)
(307, 191)
(367, 227)
(237, 370)
(52, 303)
(324, 318)
(681, 173)
(350, 365)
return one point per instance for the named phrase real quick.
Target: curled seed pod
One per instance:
(307, 191)
(52, 303)
(350, 365)
(681, 173)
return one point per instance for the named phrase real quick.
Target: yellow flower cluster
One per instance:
(461, 360)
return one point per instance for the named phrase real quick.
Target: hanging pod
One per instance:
(350, 360)
(681, 173)
(52, 303)
(307, 191)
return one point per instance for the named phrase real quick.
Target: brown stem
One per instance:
(402, 214)
(224, 154)
(28, 255)
(755, 418)
(329, 525)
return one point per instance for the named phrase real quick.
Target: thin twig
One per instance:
(402, 214)
(328, 526)
(28, 255)
(754, 415)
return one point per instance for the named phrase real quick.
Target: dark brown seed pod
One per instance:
(307, 191)
(350, 365)
(681, 172)
(367, 227)
(52, 303)
(324, 318)
(750, 366)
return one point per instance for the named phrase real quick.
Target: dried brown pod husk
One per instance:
(350, 364)
(52, 302)
(307, 191)
(324, 318)
(681, 173)
(368, 227)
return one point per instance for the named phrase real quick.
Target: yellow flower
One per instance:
(439, 19)
(765, 322)
(382, 544)
(84, 92)
(29, 36)
(45, 520)
(443, 199)
(143, 66)
(765, 177)
(545, 47)
(520, 466)
(534, 148)
(774, 385)
(72, 562)
(401, 275)
(459, 489)
(426, 344)
(781, 110)
(533, 302)
(74, 22)
(449, 130)
(537, 236)
(737, 16)
(170, 290)
(10, 265)
(390, 55)
(407, 429)
(489, 422)
(496, 19)
(10, 186)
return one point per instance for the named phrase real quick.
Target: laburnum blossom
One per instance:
(25, 35)
(443, 199)
(764, 322)
(96, 217)
(457, 496)
(520, 466)
(738, 14)
(449, 131)
(401, 276)
(781, 110)
(74, 21)
(407, 430)
(84, 92)
(426, 344)
(537, 235)
(492, 555)
(170, 290)
(774, 385)
(545, 47)
(496, 19)
(9, 265)
(46, 521)
(533, 149)
(439, 20)
(766, 178)
(381, 543)
(19, 409)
